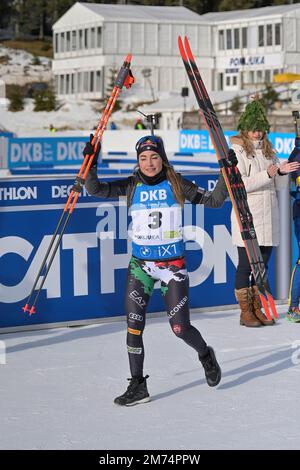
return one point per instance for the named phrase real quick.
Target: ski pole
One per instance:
(124, 78)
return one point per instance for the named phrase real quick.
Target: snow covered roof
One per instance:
(244, 15)
(133, 13)
(141, 12)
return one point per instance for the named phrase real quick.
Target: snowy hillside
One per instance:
(17, 67)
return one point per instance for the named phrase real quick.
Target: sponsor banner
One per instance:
(200, 142)
(23, 152)
(88, 275)
(37, 192)
(67, 151)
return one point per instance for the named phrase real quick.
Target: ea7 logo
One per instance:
(153, 195)
(2, 353)
(135, 296)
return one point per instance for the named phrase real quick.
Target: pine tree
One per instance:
(230, 5)
(6, 10)
(44, 100)
(15, 94)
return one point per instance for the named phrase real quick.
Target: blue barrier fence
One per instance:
(194, 148)
(199, 142)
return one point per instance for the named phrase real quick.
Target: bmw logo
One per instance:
(145, 251)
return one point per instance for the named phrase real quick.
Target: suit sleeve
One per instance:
(104, 189)
(197, 195)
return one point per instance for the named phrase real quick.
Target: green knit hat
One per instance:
(254, 118)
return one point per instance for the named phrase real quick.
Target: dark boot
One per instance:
(244, 298)
(136, 393)
(256, 305)
(212, 369)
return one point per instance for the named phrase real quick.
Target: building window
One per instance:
(79, 82)
(72, 91)
(269, 35)
(220, 81)
(98, 80)
(85, 81)
(92, 82)
(228, 39)
(221, 40)
(67, 88)
(80, 33)
(68, 48)
(234, 80)
(86, 38)
(277, 34)
(99, 36)
(227, 81)
(56, 43)
(93, 38)
(74, 37)
(259, 76)
(244, 38)
(236, 36)
(261, 39)
(60, 84)
(268, 76)
(62, 42)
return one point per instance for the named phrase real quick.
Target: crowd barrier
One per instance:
(187, 149)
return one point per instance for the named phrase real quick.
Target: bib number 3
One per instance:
(156, 219)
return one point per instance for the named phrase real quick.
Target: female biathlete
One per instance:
(156, 195)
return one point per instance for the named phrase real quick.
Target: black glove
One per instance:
(232, 157)
(89, 149)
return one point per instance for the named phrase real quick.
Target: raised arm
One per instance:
(197, 195)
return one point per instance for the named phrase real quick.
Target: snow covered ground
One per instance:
(57, 388)
(17, 66)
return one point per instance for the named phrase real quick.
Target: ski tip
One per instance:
(273, 306)
(181, 49)
(187, 47)
(264, 303)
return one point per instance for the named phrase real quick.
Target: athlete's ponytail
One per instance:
(174, 179)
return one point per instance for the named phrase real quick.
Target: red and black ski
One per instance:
(232, 177)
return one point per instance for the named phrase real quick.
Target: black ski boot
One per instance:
(212, 369)
(136, 393)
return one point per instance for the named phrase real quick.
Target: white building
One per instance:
(250, 46)
(235, 50)
(92, 39)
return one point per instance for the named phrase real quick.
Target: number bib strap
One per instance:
(158, 252)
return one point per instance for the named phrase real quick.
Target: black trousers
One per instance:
(174, 279)
(243, 276)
